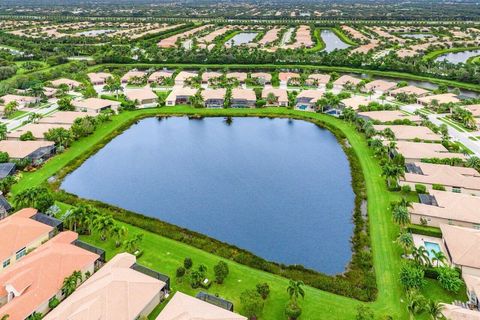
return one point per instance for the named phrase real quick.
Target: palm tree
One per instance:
(392, 173)
(35, 316)
(78, 276)
(10, 108)
(295, 290)
(103, 224)
(401, 215)
(405, 203)
(473, 162)
(438, 258)
(5, 317)
(415, 303)
(132, 245)
(118, 232)
(434, 310)
(28, 197)
(69, 285)
(420, 255)
(405, 240)
(113, 85)
(34, 117)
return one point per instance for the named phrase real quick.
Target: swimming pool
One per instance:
(432, 246)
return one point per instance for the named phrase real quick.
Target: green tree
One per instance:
(28, 198)
(263, 289)
(27, 136)
(187, 263)
(118, 232)
(103, 224)
(113, 85)
(415, 303)
(434, 310)
(252, 304)
(132, 245)
(364, 313)
(10, 108)
(60, 136)
(293, 310)
(3, 131)
(65, 104)
(69, 285)
(401, 215)
(295, 289)
(221, 272)
(405, 240)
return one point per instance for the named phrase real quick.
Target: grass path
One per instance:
(165, 255)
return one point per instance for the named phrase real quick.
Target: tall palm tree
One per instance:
(103, 224)
(473, 162)
(420, 255)
(405, 240)
(28, 197)
(401, 215)
(35, 316)
(5, 317)
(3, 131)
(434, 310)
(438, 258)
(404, 202)
(295, 290)
(69, 285)
(118, 232)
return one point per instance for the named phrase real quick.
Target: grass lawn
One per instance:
(319, 43)
(434, 54)
(165, 255)
(17, 114)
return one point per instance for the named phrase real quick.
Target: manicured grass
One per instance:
(319, 43)
(344, 37)
(17, 114)
(165, 255)
(474, 60)
(434, 54)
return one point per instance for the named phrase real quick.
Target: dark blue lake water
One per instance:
(276, 187)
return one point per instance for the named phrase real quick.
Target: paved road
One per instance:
(15, 123)
(456, 135)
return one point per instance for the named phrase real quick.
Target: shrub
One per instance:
(364, 313)
(412, 276)
(187, 263)
(53, 303)
(221, 272)
(180, 272)
(263, 289)
(438, 187)
(4, 157)
(420, 188)
(293, 310)
(406, 189)
(27, 136)
(252, 303)
(449, 279)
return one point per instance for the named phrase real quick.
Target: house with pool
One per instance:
(243, 98)
(453, 179)
(441, 207)
(306, 100)
(214, 98)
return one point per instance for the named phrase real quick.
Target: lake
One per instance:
(416, 35)
(458, 57)
(332, 41)
(276, 187)
(241, 38)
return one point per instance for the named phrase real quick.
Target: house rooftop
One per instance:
(160, 74)
(356, 102)
(320, 78)
(184, 75)
(343, 80)
(474, 109)
(285, 76)
(99, 76)
(380, 85)
(440, 98)
(281, 94)
(140, 94)
(454, 312)
(208, 75)
(463, 245)
(64, 117)
(219, 93)
(240, 76)
(444, 174)
(68, 82)
(389, 116)
(40, 274)
(37, 129)
(410, 132)
(450, 205)
(19, 230)
(115, 292)
(21, 149)
(133, 73)
(184, 307)
(95, 103)
(421, 150)
(410, 90)
(19, 99)
(243, 94)
(264, 75)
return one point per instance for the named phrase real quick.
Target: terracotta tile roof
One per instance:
(463, 245)
(410, 132)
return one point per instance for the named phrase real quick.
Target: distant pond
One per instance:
(458, 57)
(241, 38)
(279, 188)
(332, 41)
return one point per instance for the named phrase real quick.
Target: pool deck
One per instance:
(419, 240)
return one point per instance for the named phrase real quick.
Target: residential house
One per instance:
(289, 78)
(462, 248)
(389, 116)
(317, 79)
(182, 306)
(344, 81)
(144, 97)
(95, 105)
(417, 151)
(19, 234)
(407, 133)
(99, 78)
(439, 99)
(72, 84)
(28, 286)
(214, 98)
(440, 207)
(243, 98)
(263, 78)
(33, 150)
(22, 101)
(120, 290)
(159, 76)
(379, 86)
(281, 97)
(474, 109)
(64, 117)
(454, 179)
(410, 90)
(241, 77)
(306, 100)
(210, 75)
(180, 95)
(132, 74)
(355, 102)
(183, 76)
(38, 130)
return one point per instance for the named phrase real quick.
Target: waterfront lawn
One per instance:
(165, 255)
